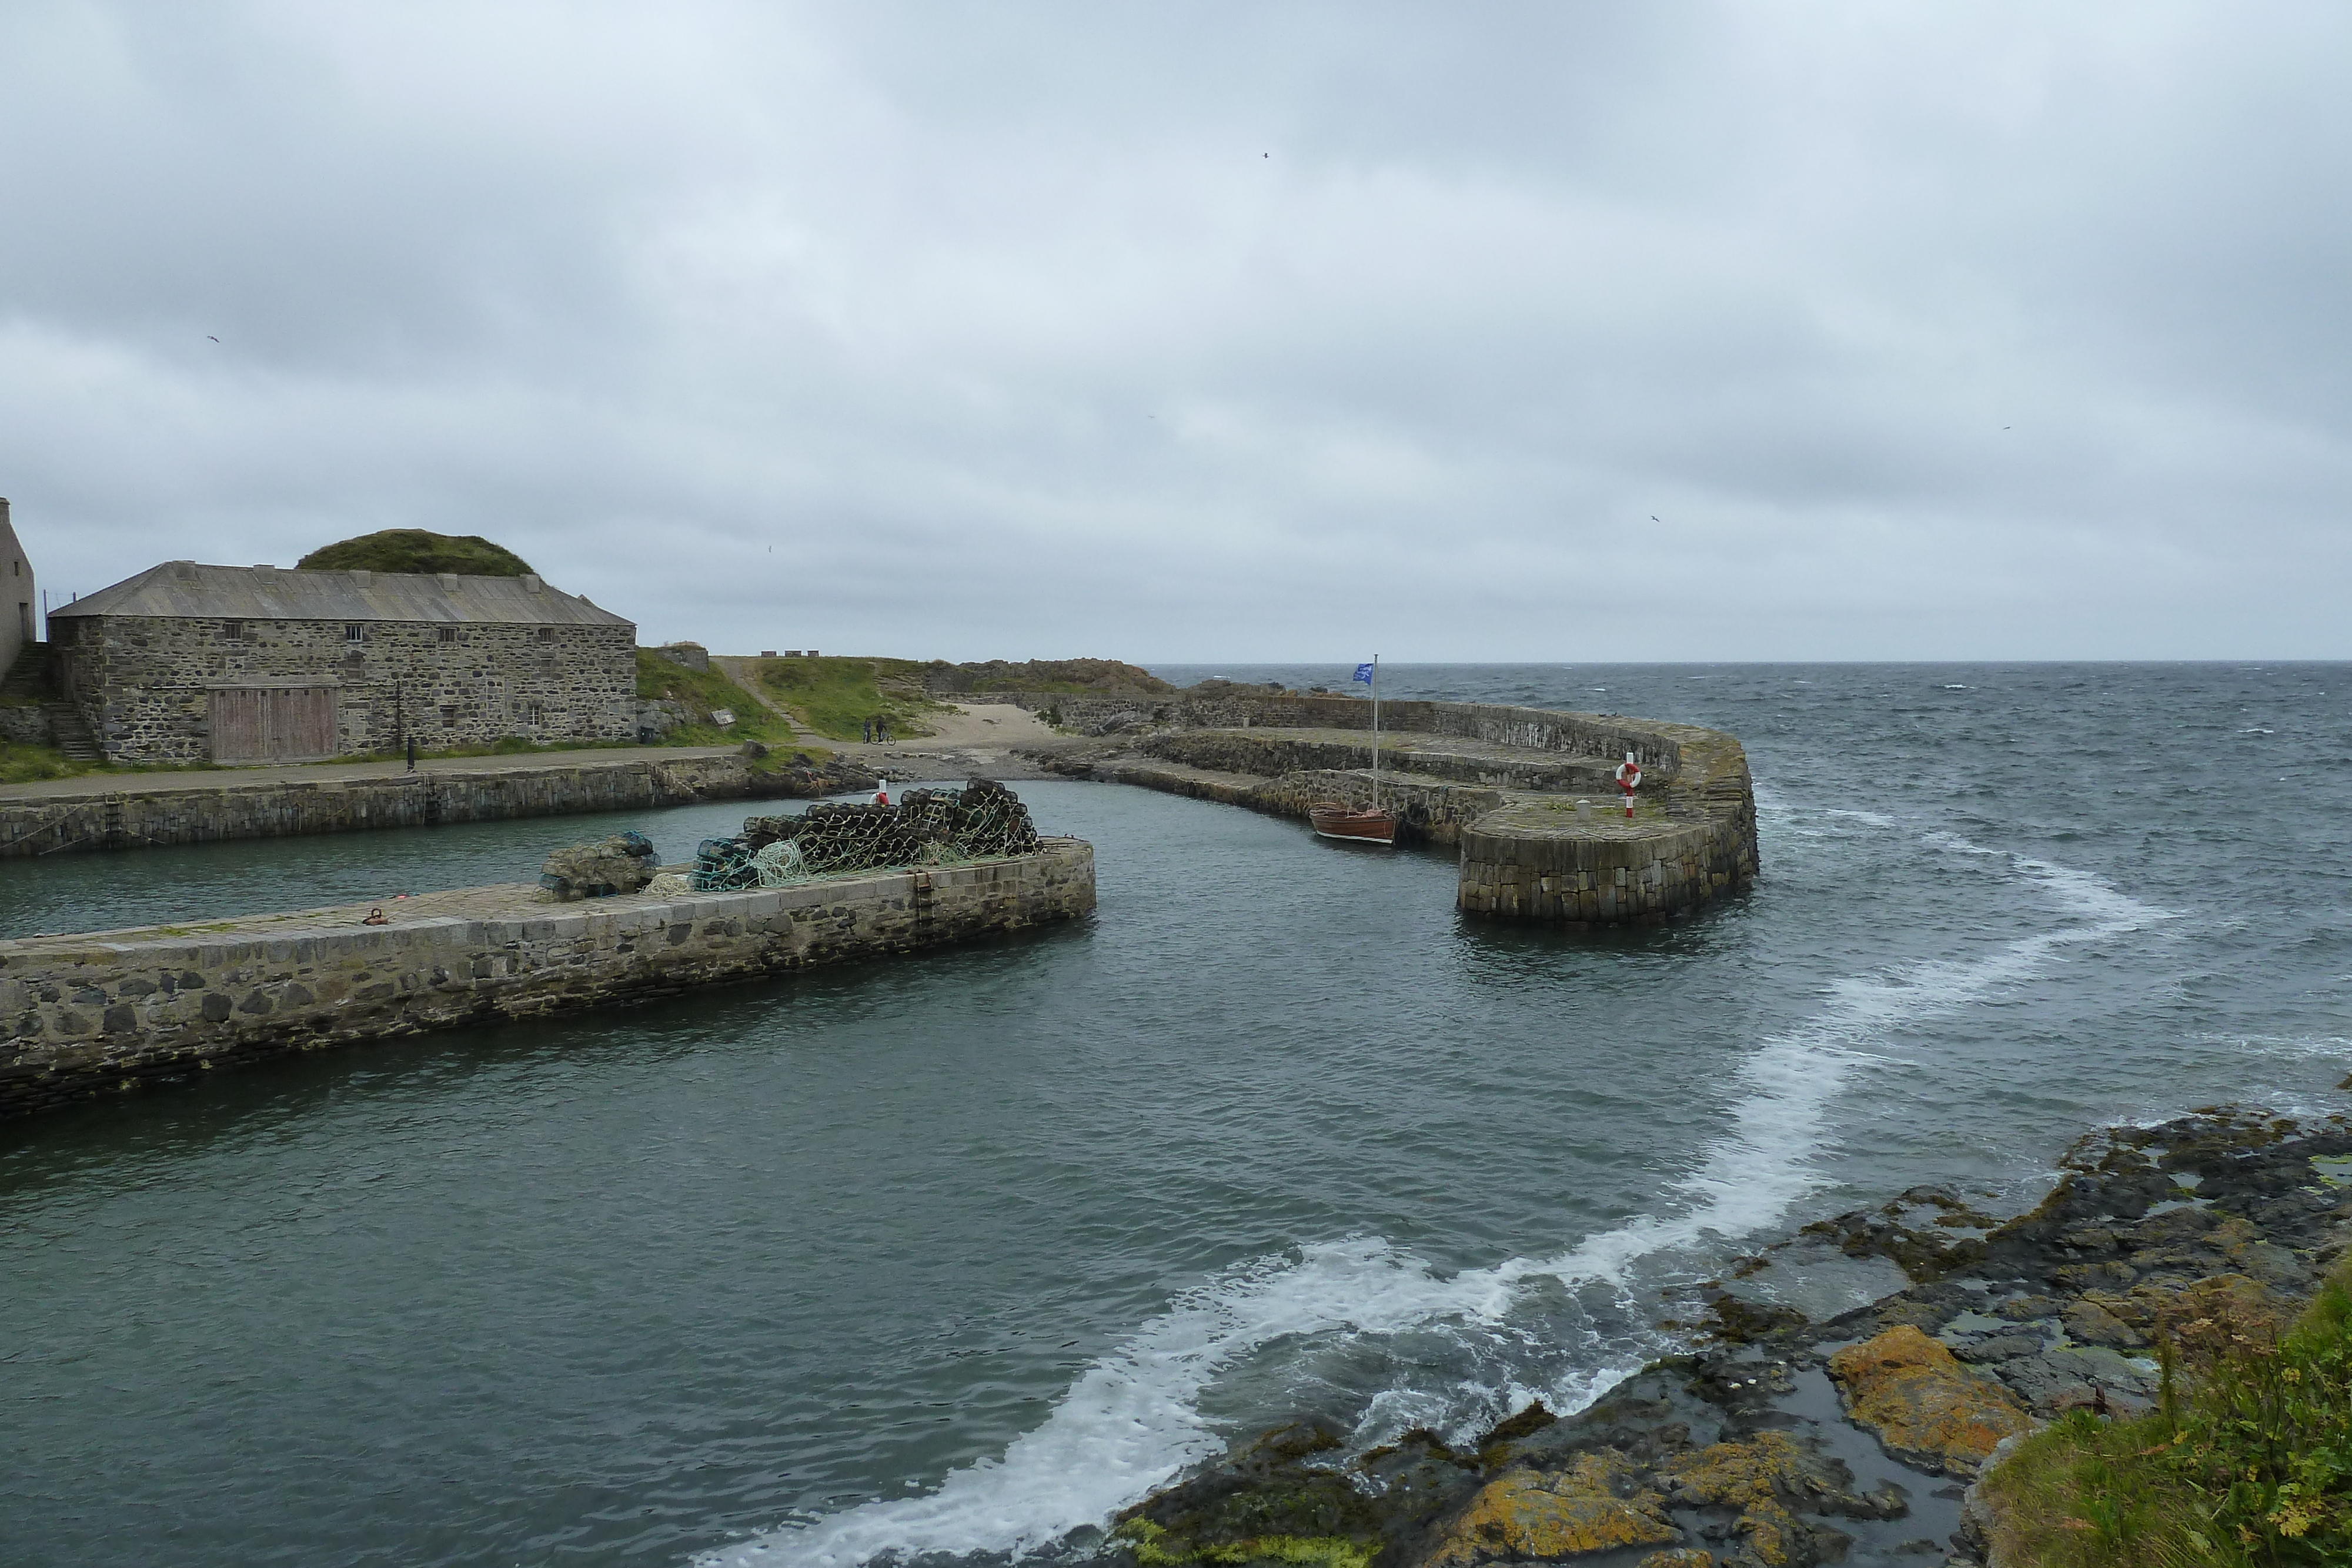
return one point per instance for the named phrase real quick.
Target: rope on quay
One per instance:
(43, 827)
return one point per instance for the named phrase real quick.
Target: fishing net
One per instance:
(780, 864)
(927, 827)
(723, 866)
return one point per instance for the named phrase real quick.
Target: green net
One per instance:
(926, 827)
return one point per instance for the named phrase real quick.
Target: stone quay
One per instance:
(134, 812)
(100, 1013)
(1527, 794)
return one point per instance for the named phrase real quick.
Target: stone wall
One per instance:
(26, 726)
(104, 819)
(92, 1015)
(1536, 859)
(143, 681)
(1516, 865)
(1655, 746)
(1276, 751)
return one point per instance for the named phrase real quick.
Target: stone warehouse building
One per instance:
(247, 663)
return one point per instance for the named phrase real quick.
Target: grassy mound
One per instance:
(836, 697)
(704, 692)
(412, 550)
(1108, 677)
(2248, 1463)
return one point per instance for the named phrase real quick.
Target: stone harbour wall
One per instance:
(1429, 813)
(1277, 751)
(1515, 866)
(93, 1015)
(1656, 747)
(130, 819)
(1692, 840)
(1510, 802)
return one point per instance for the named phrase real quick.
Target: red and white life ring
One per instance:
(1629, 774)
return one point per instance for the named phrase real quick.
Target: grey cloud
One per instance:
(1200, 332)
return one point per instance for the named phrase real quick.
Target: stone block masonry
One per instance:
(93, 1015)
(129, 818)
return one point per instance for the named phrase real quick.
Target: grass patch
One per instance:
(1065, 676)
(2247, 1463)
(412, 550)
(704, 692)
(23, 764)
(835, 698)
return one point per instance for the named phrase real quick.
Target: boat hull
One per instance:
(1355, 824)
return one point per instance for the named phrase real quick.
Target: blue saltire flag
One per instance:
(1364, 673)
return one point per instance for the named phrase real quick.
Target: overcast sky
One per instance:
(1192, 331)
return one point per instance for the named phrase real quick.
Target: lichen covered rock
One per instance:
(1926, 1407)
(1593, 1505)
(1767, 1478)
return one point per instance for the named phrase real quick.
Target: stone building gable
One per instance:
(19, 599)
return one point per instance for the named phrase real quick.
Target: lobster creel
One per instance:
(1364, 824)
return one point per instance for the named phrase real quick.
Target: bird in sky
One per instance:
(1654, 516)
(209, 335)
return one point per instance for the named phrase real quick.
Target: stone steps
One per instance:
(27, 683)
(72, 734)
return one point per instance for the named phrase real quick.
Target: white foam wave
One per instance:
(2319, 1047)
(1810, 822)
(1132, 1421)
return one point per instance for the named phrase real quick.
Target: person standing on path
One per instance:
(869, 732)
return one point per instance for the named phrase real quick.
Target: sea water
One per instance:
(960, 1256)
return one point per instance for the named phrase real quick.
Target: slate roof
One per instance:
(183, 589)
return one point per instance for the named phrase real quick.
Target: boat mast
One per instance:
(1376, 732)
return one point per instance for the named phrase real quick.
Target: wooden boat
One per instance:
(1364, 824)
(1359, 824)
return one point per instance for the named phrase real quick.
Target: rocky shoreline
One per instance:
(1780, 1442)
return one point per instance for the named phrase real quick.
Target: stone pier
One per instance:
(131, 812)
(96, 1014)
(1528, 795)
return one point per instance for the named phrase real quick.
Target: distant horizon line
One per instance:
(2243, 659)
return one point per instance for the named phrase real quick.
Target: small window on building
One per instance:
(233, 630)
(449, 716)
(354, 633)
(448, 633)
(547, 634)
(532, 714)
